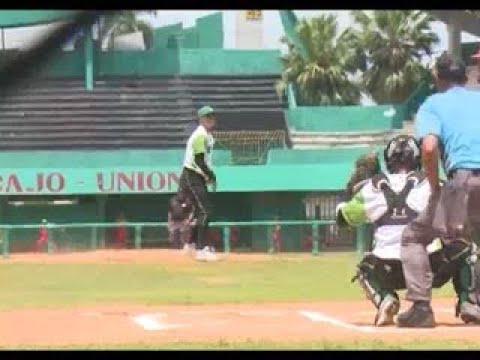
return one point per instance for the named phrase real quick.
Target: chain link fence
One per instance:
(312, 236)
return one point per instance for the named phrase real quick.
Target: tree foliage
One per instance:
(324, 78)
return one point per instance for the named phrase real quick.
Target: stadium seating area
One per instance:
(153, 112)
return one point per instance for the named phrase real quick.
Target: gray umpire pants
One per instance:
(451, 215)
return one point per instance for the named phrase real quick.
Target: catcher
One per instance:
(390, 201)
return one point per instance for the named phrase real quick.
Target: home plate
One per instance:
(154, 322)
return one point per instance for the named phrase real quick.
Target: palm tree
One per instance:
(392, 44)
(324, 77)
(125, 22)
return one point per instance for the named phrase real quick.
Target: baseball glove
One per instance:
(366, 166)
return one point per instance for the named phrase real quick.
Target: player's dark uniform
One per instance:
(193, 182)
(180, 218)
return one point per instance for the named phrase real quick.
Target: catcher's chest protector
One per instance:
(398, 213)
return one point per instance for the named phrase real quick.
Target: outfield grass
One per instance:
(279, 278)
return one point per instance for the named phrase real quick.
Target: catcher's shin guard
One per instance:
(369, 281)
(466, 279)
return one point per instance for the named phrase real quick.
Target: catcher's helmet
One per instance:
(402, 151)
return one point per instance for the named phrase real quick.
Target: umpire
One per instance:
(448, 126)
(197, 173)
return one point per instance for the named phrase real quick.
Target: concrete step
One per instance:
(340, 139)
(330, 146)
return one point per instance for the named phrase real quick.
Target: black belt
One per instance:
(474, 172)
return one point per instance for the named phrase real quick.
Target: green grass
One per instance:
(259, 345)
(281, 278)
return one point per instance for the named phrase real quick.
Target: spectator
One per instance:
(42, 240)
(276, 237)
(120, 234)
(307, 242)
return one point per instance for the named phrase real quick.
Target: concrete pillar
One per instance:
(454, 40)
(88, 58)
(101, 206)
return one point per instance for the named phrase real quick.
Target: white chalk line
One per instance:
(317, 316)
(265, 313)
(155, 322)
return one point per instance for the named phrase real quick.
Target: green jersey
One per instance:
(200, 142)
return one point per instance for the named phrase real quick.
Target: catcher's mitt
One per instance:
(366, 166)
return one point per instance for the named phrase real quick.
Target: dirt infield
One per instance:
(125, 256)
(132, 323)
(123, 324)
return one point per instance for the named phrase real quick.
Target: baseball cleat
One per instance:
(188, 249)
(200, 255)
(470, 313)
(388, 308)
(420, 315)
(210, 254)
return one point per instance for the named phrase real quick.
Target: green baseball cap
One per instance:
(204, 111)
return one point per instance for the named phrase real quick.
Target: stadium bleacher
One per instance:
(145, 112)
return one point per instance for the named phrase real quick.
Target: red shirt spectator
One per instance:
(120, 234)
(307, 243)
(42, 239)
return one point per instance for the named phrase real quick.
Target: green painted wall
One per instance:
(100, 171)
(167, 61)
(162, 35)
(231, 62)
(65, 64)
(344, 118)
(100, 158)
(210, 31)
(190, 38)
(314, 156)
(155, 61)
(17, 18)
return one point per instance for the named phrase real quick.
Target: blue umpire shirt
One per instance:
(454, 117)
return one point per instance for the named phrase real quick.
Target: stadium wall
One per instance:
(345, 118)
(259, 192)
(166, 61)
(17, 18)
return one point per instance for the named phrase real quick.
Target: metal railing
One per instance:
(5, 231)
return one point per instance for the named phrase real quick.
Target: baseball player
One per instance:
(196, 175)
(390, 201)
(180, 219)
(448, 127)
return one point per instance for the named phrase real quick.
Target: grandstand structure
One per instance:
(101, 133)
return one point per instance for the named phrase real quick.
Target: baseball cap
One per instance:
(204, 111)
